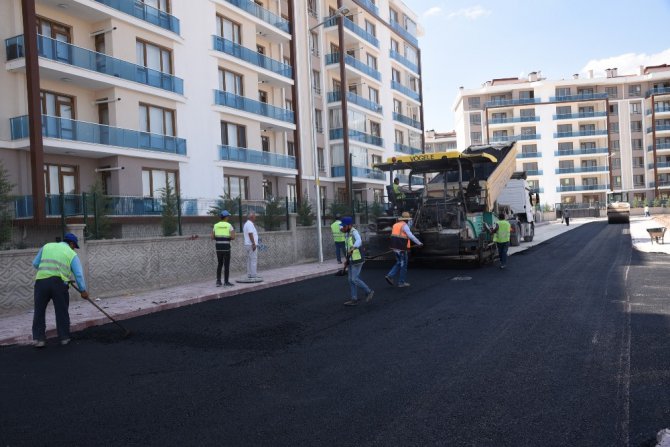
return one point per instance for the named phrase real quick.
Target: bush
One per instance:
(274, 210)
(6, 202)
(225, 202)
(657, 202)
(339, 209)
(100, 205)
(169, 205)
(305, 216)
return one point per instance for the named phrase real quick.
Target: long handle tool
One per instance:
(126, 332)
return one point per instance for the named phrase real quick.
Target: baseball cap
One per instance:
(346, 221)
(69, 237)
(224, 213)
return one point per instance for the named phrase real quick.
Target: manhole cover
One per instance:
(461, 278)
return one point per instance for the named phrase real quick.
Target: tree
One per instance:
(339, 209)
(305, 216)
(169, 210)
(6, 202)
(272, 214)
(99, 204)
(225, 202)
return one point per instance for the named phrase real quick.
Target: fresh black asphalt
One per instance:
(568, 346)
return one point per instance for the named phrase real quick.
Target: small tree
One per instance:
(339, 209)
(6, 201)
(169, 210)
(305, 216)
(273, 213)
(98, 205)
(225, 202)
(657, 202)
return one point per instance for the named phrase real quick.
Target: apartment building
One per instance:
(578, 138)
(215, 97)
(440, 141)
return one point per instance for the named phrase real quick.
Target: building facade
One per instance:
(578, 139)
(441, 141)
(213, 97)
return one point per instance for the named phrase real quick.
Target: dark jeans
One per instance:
(55, 289)
(502, 251)
(339, 248)
(224, 261)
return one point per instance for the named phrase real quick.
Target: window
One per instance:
(395, 75)
(474, 103)
(289, 103)
(590, 181)
(157, 120)
(526, 94)
(393, 16)
(372, 61)
(375, 129)
(587, 145)
(636, 143)
(638, 180)
(616, 163)
(635, 108)
(291, 193)
(634, 90)
(316, 81)
(566, 164)
(60, 33)
(260, 49)
(529, 149)
(566, 146)
(290, 148)
(528, 131)
(60, 179)
(636, 126)
(234, 186)
(617, 181)
(267, 189)
(231, 82)
(475, 119)
(614, 128)
(318, 120)
(228, 29)
(161, 5)
(395, 46)
(311, 7)
(154, 181)
(567, 182)
(563, 91)
(475, 137)
(397, 106)
(564, 128)
(399, 137)
(611, 92)
(530, 166)
(370, 28)
(373, 95)
(588, 129)
(263, 96)
(563, 110)
(586, 110)
(614, 109)
(638, 162)
(153, 57)
(414, 83)
(615, 145)
(55, 104)
(527, 113)
(233, 135)
(321, 159)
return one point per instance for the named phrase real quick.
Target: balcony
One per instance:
(662, 128)
(580, 133)
(529, 155)
(398, 28)
(80, 131)
(371, 7)
(90, 60)
(247, 55)
(404, 178)
(262, 14)
(227, 99)
(357, 30)
(580, 97)
(244, 155)
(584, 151)
(406, 120)
(142, 11)
(581, 169)
(661, 184)
(334, 58)
(658, 109)
(357, 171)
(406, 149)
(512, 102)
(357, 135)
(534, 172)
(522, 137)
(659, 165)
(518, 119)
(572, 116)
(404, 61)
(575, 188)
(355, 99)
(537, 190)
(658, 91)
(395, 85)
(659, 147)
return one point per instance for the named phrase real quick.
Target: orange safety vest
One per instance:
(399, 239)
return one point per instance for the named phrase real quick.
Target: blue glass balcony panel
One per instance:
(263, 14)
(360, 32)
(659, 165)
(247, 55)
(357, 171)
(505, 138)
(252, 106)
(581, 169)
(371, 7)
(584, 151)
(22, 207)
(580, 133)
(658, 91)
(529, 155)
(581, 97)
(512, 102)
(517, 119)
(244, 155)
(66, 129)
(406, 149)
(661, 128)
(334, 58)
(395, 85)
(398, 28)
(659, 146)
(403, 60)
(142, 11)
(406, 120)
(355, 99)
(573, 188)
(568, 116)
(659, 110)
(534, 172)
(357, 135)
(90, 60)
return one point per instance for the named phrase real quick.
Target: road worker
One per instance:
(223, 233)
(338, 238)
(501, 236)
(400, 243)
(355, 260)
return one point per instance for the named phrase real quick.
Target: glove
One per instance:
(84, 295)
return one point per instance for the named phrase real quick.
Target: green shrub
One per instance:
(169, 205)
(97, 207)
(225, 202)
(274, 210)
(305, 216)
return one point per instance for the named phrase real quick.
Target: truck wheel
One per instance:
(529, 238)
(515, 238)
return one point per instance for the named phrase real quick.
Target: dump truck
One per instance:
(618, 207)
(450, 214)
(517, 201)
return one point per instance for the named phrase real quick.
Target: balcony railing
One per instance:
(404, 178)
(661, 184)
(517, 119)
(569, 116)
(263, 14)
(659, 165)
(659, 110)
(357, 171)
(357, 135)
(66, 53)
(584, 151)
(580, 97)
(334, 58)
(661, 128)
(580, 133)
(406, 149)
(67, 129)
(247, 55)
(529, 155)
(143, 11)
(406, 120)
(505, 138)
(512, 102)
(659, 147)
(573, 188)
(371, 7)
(581, 169)
(252, 106)
(395, 85)
(403, 60)
(534, 172)
(356, 99)
(398, 28)
(351, 26)
(244, 155)
(658, 91)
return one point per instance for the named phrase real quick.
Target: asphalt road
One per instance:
(566, 347)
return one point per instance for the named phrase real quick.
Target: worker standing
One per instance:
(400, 243)
(355, 260)
(566, 215)
(223, 233)
(338, 238)
(250, 244)
(399, 195)
(501, 236)
(56, 262)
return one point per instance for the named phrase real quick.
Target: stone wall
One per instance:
(16, 281)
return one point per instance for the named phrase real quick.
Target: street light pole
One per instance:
(339, 13)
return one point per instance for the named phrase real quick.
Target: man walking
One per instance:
(223, 233)
(353, 242)
(56, 262)
(338, 238)
(400, 243)
(501, 236)
(250, 244)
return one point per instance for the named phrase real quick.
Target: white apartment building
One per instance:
(441, 141)
(578, 138)
(214, 96)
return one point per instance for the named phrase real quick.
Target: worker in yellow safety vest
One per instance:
(400, 243)
(355, 260)
(223, 233)
(399, 195)
(501, 236)
(338, 238)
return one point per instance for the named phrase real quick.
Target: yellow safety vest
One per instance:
(503, 233)
(356, 257)
(398, 194)
(222, 231)
(338, 236)
(55, 261)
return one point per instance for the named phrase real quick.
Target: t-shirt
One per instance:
(249, 227)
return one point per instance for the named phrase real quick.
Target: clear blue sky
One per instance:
(466, 43)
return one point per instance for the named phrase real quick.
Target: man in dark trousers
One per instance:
(223, 233)
(566, 216)
(56, 262)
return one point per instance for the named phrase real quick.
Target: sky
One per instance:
(467, 42)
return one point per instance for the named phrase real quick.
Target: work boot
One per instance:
(39, 343)
(351, 303)
(405, 284)
(228, 284)
(369, 296)
(65, 341)
(218, 284)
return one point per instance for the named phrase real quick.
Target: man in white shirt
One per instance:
(250, 244)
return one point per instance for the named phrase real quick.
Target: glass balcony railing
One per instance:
(403, 60)
(406, 120)
(580, 133)
(505, 138)
(659, 110)
(516, 119)
(66, 53)
(247, 55)
(370, 6)
(395, 85)
(398, 28)
(659, 165)
(244, 155)
(355, 99)
(406, 149)
(358, 171)
(581, 169)
(658, 91)
(143, 11)
(578, 97)
(569, 116)
(537, 190)
(252, 106)
(334, 58)
(581, 151)
(259, 12)
(661, 184)
(357, 135)
(360, 32)
(529, 155)
(81, 131)
(659, 147)
(404, 178)
(659, 128)
(512, 102)
(534, 172)
(573, 188)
